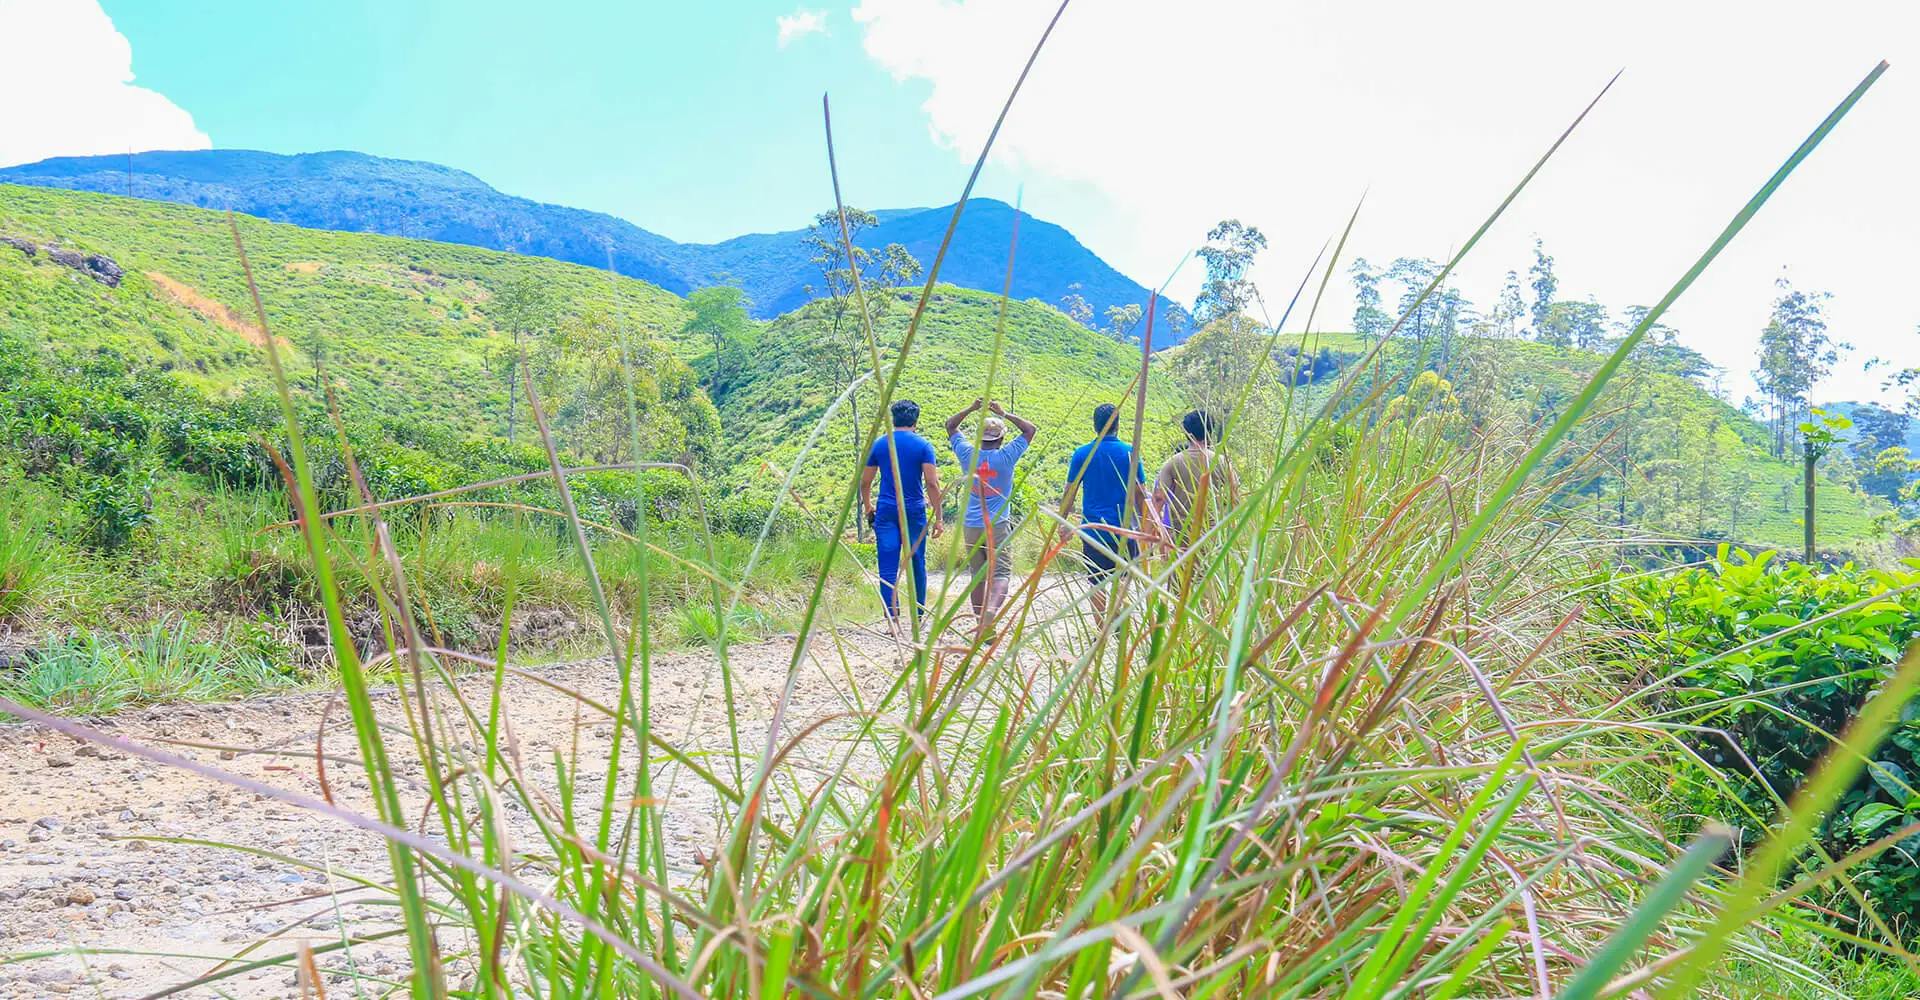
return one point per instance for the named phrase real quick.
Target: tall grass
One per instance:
(1345, 745)
(27, 567)
(92, 673)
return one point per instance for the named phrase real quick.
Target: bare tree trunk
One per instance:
(1807, 490)
(860, 521)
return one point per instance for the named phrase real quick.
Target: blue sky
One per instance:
(1143, 124)
(686, 118)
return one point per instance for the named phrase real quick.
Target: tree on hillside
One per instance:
(720, 320)
(1507, 312)
(1413, 274)
(846, 282)
(1076, 306)
(1224, 360)
(1739, 494)
(891, 267)
(521, 308)
(1576, 324)
(1796, 352)
(1544, 286)
(1451, 313)
(583, 368)
(1121, 320)
(1171, 324)
(1369, 320)
(1662, 350)
(1703, 444)
(1658, 334)
(1435, 320)
(1228, 254)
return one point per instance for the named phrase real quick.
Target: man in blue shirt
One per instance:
(1103, 472)
(990, 482)
(903, 462)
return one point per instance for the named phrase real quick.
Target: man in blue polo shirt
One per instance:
(1101, 472)
(905, 514)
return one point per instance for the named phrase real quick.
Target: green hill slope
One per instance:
(406, 332)
(1663, 456)
(401, 325)
(1053, 372)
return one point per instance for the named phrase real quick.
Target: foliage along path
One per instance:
(85, 863)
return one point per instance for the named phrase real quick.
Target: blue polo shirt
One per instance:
(914, 451)
(1102, 466)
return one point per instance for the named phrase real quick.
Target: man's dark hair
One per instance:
(1201, 426)
(1103, 420)
(906, 413)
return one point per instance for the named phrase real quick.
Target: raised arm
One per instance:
(953, 422)
(1027, 430)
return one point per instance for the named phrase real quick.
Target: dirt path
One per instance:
(74, 873)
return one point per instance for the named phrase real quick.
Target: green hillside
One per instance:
(1053, 372)
(402, 325)
(1663, 456)
(137, 498)
(408, 333)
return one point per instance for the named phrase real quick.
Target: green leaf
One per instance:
(1873, 816)
(1892, 779)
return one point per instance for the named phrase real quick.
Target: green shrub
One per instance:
(1778, 699)
(226, 456)
(115, 508)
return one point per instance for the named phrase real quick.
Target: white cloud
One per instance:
(800, 24)
(71, 90)
(1282, 114)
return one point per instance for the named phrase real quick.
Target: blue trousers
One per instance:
(888, 543)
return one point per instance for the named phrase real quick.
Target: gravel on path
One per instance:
(86, 863)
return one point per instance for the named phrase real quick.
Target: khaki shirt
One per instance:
(1195, 477)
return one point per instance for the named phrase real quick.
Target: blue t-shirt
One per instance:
(1102, 466)
(992, 478)
(915, 451)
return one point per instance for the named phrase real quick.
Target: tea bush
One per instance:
(1777, 657)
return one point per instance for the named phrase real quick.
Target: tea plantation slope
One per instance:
(1053, 372)
(1695, 467)
(402, 326)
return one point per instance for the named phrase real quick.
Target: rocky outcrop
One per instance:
(96, 266)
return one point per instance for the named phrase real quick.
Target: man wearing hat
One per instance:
(988, 522)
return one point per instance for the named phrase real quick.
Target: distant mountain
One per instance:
(354, 192)
(1879, 416)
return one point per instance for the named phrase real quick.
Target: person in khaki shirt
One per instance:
(1195, 483)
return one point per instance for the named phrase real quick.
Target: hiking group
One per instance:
(1116, 510)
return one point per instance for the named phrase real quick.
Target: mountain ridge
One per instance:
(348, 191)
